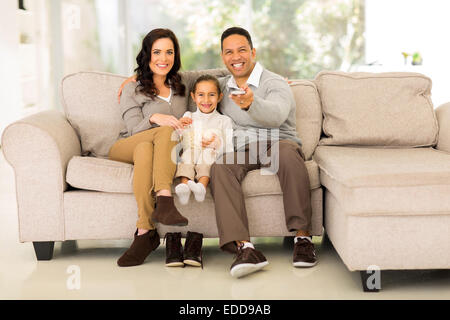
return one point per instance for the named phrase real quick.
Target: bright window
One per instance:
(294, 38)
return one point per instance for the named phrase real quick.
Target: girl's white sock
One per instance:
(198, 189)
(183, 192)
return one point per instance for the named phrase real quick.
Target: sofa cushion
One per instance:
(443, 116)
(256, 184)
(377, 109)
(98, 174)
(368, 181)
(90, 104)
(308, 114)
(105, 175)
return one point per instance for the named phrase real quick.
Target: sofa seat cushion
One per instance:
(369, 181)
(256, 184)
(105, 175)
(98, 174)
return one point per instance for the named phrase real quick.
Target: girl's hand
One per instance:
(130, 79)
(166, 120)
(213, 142)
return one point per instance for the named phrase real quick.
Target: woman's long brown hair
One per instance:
(144, 75)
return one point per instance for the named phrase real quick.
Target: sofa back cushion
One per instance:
(377, 109)
(91, 106)
(308, 115)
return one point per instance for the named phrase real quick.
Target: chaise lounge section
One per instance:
(385, 167)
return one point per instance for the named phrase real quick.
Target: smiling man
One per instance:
(262, 107)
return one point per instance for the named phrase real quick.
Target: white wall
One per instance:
(10, 72)
(393, 26)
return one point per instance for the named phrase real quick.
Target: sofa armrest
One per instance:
(39, 148)
(443, 117)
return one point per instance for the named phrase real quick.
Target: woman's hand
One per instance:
(185, 121)
(132, 78)
(166, 120)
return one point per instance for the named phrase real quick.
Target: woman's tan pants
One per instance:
(151, 153)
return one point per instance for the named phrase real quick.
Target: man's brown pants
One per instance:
(226, 189)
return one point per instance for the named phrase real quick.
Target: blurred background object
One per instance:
(47, 39)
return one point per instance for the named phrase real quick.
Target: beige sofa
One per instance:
(384, 178)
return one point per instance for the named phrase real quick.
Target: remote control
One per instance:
(237, 92)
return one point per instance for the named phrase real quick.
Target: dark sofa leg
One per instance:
(288, 242)
(371, 280)
(44, 249)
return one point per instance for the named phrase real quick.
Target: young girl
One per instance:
(209, 136)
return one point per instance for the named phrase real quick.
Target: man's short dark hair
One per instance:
(235, 30)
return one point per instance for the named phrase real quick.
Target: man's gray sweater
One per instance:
(273, 107)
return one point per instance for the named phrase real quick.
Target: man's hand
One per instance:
(132, 78)
(243, 100)
(185, 121)
(166, 120)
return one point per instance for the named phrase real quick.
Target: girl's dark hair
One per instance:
(207, 77)
(144, 75)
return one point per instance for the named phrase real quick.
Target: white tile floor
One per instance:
(22, 277)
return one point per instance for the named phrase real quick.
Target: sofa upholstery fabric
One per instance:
(105, 175)
(370, 109)
(379, 167)
(308, 114)
(385, 181)
(91, 106)
(106, 215)
(443, 115)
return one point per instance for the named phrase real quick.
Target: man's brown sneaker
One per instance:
(174, 250)
(304, 253)
(248, 260)
(193, 249)
(166, 212)
(139, 249)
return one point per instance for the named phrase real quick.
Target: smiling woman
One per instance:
(158, 64)
(150, 121)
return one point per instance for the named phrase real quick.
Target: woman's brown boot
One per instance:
(139, 249)
(166, 212)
